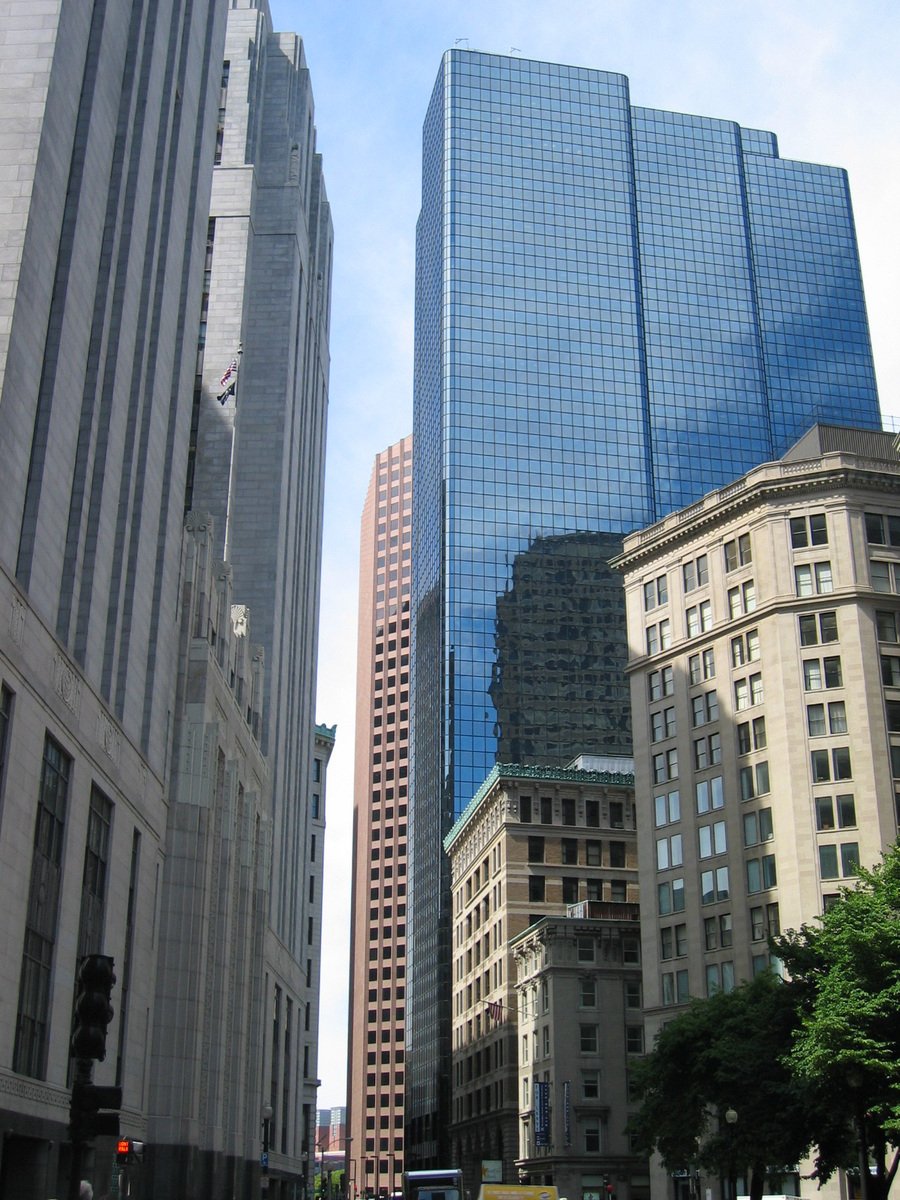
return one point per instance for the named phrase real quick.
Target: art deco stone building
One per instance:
(162, 788)
(108, 130)
(764, 636)
(257, 465)
(376, 1068)
(533, 842)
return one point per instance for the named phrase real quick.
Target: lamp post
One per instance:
(267, 1113)
(731, 1120)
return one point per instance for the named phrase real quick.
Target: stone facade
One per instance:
(209, 1021)
(107, 136)
(257, 465)
(764, 625)
(533, 841)
(580, 1027)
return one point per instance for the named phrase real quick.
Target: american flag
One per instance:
(228, 382)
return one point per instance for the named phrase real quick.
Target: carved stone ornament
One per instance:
(17, 621)
(67, 683)
(108, 736)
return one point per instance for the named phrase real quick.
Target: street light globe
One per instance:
(267, 1112)
(731, 1116)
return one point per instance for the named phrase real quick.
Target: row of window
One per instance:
(694, 574)
(811, 578)
(533, 812)
(573, 850)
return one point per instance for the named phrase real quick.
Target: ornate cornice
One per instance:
(836, 472)
(502, 771)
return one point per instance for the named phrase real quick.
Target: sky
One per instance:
(821, 74)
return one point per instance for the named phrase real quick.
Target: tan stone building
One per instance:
(375, 1068)
(578, 980)
(764, 631)
(533, 841)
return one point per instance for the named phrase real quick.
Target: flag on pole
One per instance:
(228, 382)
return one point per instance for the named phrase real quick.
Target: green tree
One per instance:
(724, 1055)
(845, 979)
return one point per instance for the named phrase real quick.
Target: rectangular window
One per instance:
(714, 885)
(668, 809)
(840, 763)
(887, 627)
(662, 724)
(670, 897)
(704, 709)
(536, 887)
(588, 1041)
(634, 1039)
(758, 827)
(656, 592)
(809, 531)
(816, 628)
(669, 852)
(659, 636)
(585, 949)
(698, 618)
(824, 813)
(737, 552)
(890, 670)
(837, 717)
(96, 867)
(712, 839)
(661, 683)
(33, 1011)
(535, 849)
(695, 574)
(882, 530)
(813, 579)
(815, 720)
(881, 575)
(846, 811)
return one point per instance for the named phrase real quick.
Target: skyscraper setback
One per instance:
(617, 309)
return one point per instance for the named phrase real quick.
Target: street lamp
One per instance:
(731, 1120)
(267, 1114)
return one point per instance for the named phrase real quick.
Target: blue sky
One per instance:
(822, 74)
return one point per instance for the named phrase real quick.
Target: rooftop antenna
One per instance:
(514, 50)
(459, 42)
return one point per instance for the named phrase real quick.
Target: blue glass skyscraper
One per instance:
(617, 309)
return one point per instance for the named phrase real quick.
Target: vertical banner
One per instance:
(542, 1114)
(567, 1120)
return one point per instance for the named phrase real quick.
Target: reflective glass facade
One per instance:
(617, 309)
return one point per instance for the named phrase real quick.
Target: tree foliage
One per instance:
(730, 1052)
(845, 985)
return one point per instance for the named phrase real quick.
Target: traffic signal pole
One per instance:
(93, 1012)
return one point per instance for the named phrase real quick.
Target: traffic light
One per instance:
(93, 1011)
(129, 1150)
(86, 1120)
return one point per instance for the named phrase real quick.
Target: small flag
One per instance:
(495, 1010)
(228, 382)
